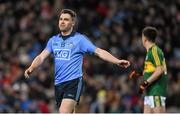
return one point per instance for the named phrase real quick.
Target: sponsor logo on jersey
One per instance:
(62, 54)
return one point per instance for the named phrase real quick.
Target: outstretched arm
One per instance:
(36, 62)
(106, 56)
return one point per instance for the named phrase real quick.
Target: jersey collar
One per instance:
(68, 36)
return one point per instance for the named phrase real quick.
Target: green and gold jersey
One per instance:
(154, 58)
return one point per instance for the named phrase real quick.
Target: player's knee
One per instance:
(159, 110)
(65, 111)
(147, 109)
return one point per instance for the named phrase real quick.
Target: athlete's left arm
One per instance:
(157, 73)
(157, 59)
(103, 54)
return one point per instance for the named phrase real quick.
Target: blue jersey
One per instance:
(68, 55)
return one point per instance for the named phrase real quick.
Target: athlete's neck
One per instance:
(149, 45)
(66, 33)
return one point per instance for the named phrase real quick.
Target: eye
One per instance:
(66, 19)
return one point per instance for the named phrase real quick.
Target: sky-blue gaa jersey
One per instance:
(68, 55)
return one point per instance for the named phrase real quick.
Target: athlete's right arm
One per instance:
(36, 62)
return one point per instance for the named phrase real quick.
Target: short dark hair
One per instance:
(73, 16)
(70, 12)
(150, 33)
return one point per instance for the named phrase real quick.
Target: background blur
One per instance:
(114, 25)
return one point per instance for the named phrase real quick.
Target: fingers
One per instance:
(132, 74)
(143, 86)
(141, 89)
(27, 73)
(124, 63)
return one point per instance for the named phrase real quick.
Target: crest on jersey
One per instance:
(70, 45)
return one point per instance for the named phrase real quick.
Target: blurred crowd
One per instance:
(114, 25)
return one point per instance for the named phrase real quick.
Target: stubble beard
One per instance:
(65, 31)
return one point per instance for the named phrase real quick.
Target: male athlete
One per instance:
(68, 49)
(155, 74)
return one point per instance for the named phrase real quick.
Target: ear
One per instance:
(73, 22)
(145, 39)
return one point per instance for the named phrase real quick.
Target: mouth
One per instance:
(62, 25)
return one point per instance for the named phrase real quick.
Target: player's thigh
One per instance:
(67, 106)
(68, 90)
(147, 109)
(59, 93)
(73, 89)
(72, 93)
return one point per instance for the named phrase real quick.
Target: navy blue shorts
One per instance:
(70, 89)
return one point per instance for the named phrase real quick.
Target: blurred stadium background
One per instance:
(114, 25)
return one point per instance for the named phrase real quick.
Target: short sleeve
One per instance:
(86, 46)
(157, 56)
(49, 45)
